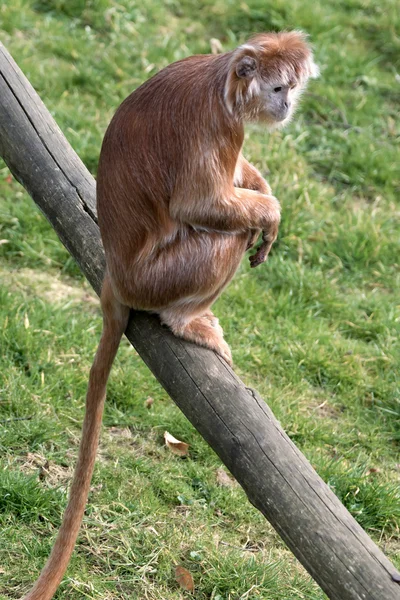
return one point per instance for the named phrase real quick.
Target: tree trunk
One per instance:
(233, 419)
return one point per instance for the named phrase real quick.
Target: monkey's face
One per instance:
(268, 74)
(277, 101)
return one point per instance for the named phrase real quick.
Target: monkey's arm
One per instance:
(229, 209)
(252, 179)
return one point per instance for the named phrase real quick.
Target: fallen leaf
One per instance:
(184, 578)
(149, 402)
(373, 471)
(224, 479)
(176, 446)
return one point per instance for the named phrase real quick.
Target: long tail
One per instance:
(115, 320)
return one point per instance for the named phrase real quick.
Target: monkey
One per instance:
(178, 206)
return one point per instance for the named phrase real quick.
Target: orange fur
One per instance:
(178, 205)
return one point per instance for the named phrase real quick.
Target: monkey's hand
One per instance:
(269, 235)
(263, 250)
(254, 234)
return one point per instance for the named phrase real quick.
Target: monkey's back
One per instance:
(150, 142)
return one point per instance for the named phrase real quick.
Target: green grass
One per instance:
(316, 329)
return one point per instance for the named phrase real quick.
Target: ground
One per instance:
(315, 330)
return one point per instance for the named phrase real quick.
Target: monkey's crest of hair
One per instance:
(283, 58)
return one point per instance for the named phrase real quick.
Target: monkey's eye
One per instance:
(277, 89)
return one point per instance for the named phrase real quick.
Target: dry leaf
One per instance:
(224, 479)
(373, 471)
(149, 402)
(184, 578)
(176, 446)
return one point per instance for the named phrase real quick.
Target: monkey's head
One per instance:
(267, 76)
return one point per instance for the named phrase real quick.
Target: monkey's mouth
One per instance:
(282, 114)
(275, 119)
(282, 117)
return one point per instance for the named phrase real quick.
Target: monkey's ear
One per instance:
(246, 67)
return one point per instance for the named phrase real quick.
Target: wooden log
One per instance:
(233, 419)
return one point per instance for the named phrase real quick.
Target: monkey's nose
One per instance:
(286, 104)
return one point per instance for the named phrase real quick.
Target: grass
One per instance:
(316, 329)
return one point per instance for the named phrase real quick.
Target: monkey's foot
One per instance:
(204, 331)
(214, 321)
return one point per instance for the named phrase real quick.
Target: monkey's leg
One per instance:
(203, 329)
(115, 320)
(182, 280)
